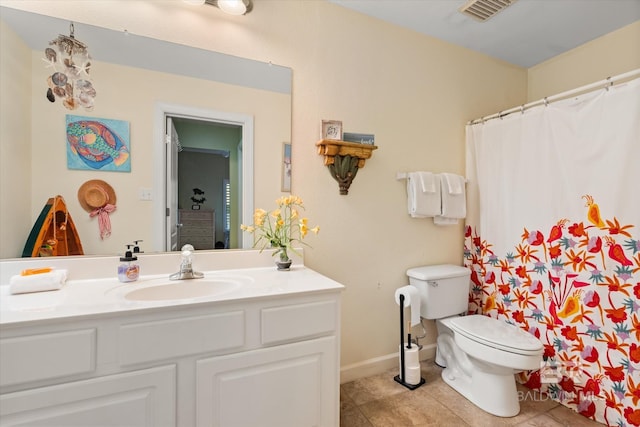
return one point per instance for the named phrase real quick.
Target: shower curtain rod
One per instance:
(609, 81)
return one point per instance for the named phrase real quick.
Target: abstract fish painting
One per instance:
(98, 144)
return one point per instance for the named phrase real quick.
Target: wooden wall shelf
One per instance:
(344, 159)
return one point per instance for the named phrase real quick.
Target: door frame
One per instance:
(162, 110)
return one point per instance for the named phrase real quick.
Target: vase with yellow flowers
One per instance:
(280, 228)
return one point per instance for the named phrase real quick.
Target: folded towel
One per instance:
(428, 181)
(454, 203)
(423, 194)
(50, 281)
(442, 220)
(455, 183)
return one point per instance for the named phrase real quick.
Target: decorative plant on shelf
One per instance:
(280, 228)
(197, 198)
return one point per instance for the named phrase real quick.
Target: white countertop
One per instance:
(105, 296)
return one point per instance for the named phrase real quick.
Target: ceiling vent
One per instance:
(481, 10)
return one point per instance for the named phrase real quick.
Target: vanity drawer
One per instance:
(171, 338)
(196, 215)
(298, 321)
(197, 230)
(53, 355)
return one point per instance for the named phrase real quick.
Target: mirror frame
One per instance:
(272, 77)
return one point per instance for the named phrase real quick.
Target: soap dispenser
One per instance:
(128, 270)
(136, 248)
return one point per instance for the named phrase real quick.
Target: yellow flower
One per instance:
(259, 216)
(247, 228)
(316, 229)
(279, 229)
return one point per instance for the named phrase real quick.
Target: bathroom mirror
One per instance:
(137, 79)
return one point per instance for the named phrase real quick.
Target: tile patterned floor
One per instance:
(379, 401)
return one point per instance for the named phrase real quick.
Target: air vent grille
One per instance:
(481, 10)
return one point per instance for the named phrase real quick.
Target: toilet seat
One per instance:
(496, 333)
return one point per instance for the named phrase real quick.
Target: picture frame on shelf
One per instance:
(360, 138)
(332, 129)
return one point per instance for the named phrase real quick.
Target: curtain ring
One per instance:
(609, 83)
(522, 109)
(546, 102)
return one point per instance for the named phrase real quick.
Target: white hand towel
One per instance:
(455, 183)
(442, 220)
(423, 194)
(454, 204)
(50, 281)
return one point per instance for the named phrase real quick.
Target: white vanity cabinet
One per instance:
(138, 398)
(268, 361)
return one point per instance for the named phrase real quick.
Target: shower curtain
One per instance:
(553, 242)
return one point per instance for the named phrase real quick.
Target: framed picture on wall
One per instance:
(98, 144)
(286, 166)
(331, 129)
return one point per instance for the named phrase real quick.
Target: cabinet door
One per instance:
(140, 398)
(290, 385)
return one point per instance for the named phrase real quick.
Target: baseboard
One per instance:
(378, 365)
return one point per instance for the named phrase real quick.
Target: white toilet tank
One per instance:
(444, 289)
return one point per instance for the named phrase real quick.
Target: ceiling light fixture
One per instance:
(232, 7)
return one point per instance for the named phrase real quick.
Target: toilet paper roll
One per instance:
(412, 375)
(411, 355)
(412, 300)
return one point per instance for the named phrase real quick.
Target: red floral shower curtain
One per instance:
(553, 242)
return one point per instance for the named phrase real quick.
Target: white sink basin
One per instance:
(184, 289)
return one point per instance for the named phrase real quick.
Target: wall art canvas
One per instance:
(98, 144)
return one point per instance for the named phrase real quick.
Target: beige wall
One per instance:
(610, 55)
(131, 94)
(415, 93)
(15, 146)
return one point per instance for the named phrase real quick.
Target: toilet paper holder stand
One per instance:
(401, 377)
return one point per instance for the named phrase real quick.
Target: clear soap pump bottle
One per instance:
(129, 269)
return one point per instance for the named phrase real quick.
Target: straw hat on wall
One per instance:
(95, 194)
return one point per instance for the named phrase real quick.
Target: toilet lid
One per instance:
(496, 333)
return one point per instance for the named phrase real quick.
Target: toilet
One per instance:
(480, 354)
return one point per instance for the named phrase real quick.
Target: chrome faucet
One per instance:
(186, 266)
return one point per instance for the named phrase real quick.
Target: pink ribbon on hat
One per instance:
(104, 223)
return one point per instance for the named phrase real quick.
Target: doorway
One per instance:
(207, 173)
(236, 205)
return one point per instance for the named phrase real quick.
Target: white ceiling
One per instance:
(525, 34)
